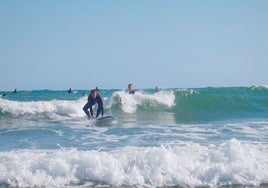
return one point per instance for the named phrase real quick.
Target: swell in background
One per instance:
(170, 105)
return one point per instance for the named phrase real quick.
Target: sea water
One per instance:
(200, 137)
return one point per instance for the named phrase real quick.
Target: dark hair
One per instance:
(93, 91)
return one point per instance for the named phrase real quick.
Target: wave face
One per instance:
(179, 105)
(221, 104)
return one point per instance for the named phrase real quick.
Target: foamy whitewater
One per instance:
(200, 137)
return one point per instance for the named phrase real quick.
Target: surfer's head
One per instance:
(93, 93)
(131, 89)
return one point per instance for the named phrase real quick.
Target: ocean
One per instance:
(192, 137)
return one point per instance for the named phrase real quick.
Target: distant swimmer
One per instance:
(93, 98)
(70, 90)
(156, 89)
(131, 89)
(15, 91)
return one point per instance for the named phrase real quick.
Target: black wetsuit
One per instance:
(91, 102)
(131, 92)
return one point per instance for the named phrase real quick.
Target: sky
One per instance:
(82, 44)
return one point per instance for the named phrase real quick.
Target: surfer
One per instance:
(92, 99)
(70, 90)
(131, 89)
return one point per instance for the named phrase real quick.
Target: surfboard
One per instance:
(105, 121)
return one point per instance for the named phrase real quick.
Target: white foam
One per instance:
(131, 102)
(69, 108)
(230, 162)
(188, 91)
(264, 86)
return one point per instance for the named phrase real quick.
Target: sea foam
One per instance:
(228, 163)
(130, 103)
(69, 108)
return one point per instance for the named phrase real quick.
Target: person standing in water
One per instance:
(93, 98)
(131, 89)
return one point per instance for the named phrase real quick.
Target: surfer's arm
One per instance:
(90, 106)
(91, 111)
(100, 108)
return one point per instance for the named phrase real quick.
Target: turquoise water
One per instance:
(174, 137)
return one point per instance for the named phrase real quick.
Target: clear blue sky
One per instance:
(48, 44)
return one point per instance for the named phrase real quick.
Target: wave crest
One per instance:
(227, 163)
(69, 108)
(149, 102)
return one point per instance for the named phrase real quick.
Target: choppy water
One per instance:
(174, 137)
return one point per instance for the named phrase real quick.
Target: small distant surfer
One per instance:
(131, 89)
(70, 90)
(15, 91)
(156, 89)
(93, 98)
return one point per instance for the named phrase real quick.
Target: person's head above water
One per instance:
(93, 93)
(131, 89)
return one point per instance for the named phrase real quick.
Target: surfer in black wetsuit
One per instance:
(93, 98)
(131, 89)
